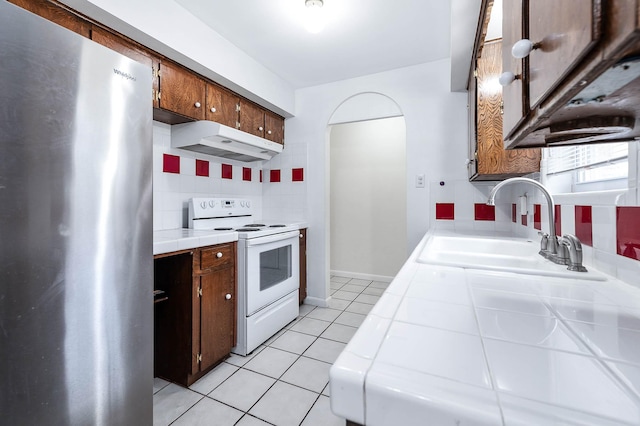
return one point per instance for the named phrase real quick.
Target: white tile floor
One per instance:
(283, 382)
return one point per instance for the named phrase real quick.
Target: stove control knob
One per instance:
(228, 296)
(248, 203)
(212, 203)
(203, 204)
(241, 203)
(219, 255)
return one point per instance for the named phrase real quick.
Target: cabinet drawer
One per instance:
(217, 256)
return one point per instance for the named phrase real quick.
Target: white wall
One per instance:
(436, 126)
(368, 198)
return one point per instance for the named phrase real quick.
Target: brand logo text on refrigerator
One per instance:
(124, 74)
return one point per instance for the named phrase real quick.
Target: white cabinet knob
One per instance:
(219, 255)
(301, 236)
(522, 48)
(261, 128)
(507, 77)
(197, 105)
(269, 132)
(228, 296)
(213, 109)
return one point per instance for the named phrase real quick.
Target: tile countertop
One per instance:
(448, 345)
(171, 240)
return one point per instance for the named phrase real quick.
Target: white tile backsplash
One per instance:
(286, 199)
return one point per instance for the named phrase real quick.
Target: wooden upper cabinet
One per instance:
(472, 105)
(222, 106)
(251, 118)
(492, 161)
(182, 91)
(513, 95)
(566, 31)
(178, 94)
(56, 13)
(581, 82)
(131, 50)
(273, 127)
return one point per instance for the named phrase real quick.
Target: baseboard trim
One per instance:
(316, 301)
(360, 276)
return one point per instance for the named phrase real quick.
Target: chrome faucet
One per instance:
(574, 248)
(565, 251)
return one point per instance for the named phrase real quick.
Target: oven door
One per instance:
(272, 269)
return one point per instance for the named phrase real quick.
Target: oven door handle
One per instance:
(272, 238)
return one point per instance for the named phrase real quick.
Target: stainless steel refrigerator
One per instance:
(76, 309)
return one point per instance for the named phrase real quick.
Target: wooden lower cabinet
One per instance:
(195, 326)
(303, 265)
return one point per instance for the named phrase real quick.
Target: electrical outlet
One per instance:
(419, 181)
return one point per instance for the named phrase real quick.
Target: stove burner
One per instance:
(246, 229)
(255, 225)
(277, 226)
(223, 229)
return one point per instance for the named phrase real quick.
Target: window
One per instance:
(588, 167)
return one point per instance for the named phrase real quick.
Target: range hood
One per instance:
(208, 137)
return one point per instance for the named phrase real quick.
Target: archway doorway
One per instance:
(368, 187)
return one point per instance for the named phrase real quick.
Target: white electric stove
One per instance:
(267, 265)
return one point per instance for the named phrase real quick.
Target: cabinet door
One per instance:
(130, 50)
(493, 161)
(273, 127)
(303, 266)
(181, 91)
(217, 316)
(57, 14)
(566, 31)
(513, 95)
(222, 106)
(472, 103)
(251, 118)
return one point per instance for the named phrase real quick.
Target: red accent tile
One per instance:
(202, 168)
(297, 175)
(537, 217)
(558, 219)
(514, 214)
(227, 171)
(523, 219)
(274, 175)
(484, 212)
(445, 211)
(246, 174)
(170, 163)
(628, 232)
(584, 225)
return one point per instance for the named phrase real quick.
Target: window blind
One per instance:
(569, 158)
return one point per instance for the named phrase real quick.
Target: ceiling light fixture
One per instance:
(314, 19)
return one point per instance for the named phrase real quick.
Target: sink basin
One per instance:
(498, 254)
